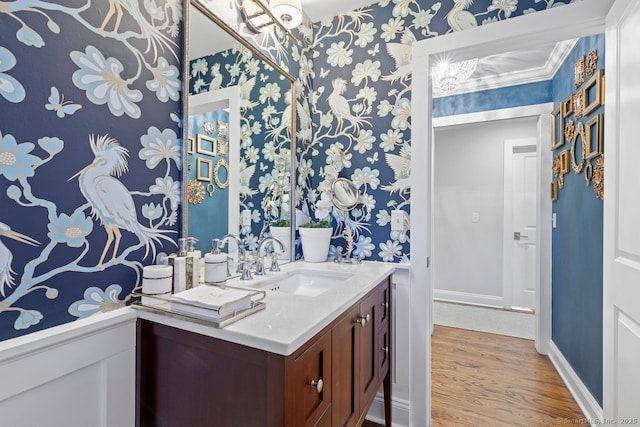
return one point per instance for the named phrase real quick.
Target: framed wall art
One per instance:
(577, 163)
(554, 191)
(578, 72)
(204, 169)
(191, 145)
(223, 148)
(567, 107)
(221, 178)
(223, 129)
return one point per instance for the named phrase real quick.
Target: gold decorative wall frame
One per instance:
(569, 129)
(578, 104)
(593, 87)
(557, 128)
(564, 162)
(554, 191)
(204, 169)
(223, 129)
(591, 64)
(593, 140)
(588, 173)
(216, 174)
(567, 107)
(598, 178)
(202, 149)
(223, 148)
(191, 147)
(575, 165)
(578, 72)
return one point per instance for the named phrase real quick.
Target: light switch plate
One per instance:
(475, 216)
(245, 218)
(397, 220)
(553, 220)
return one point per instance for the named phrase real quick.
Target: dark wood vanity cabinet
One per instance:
(184, 378)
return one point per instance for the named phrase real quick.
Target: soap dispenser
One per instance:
(195, 255)
(181, 272)
(215, 264)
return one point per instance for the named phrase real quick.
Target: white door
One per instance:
(521, 165)
(621, 365)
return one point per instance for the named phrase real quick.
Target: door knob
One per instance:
(317, 385)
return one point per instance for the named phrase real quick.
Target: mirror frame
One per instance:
(186, 4)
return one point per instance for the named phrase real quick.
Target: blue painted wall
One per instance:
(494, 99)
(208, 219)
(70, 76)
(577, 249)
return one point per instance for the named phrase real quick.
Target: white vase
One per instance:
(284, 235)
(315, 243)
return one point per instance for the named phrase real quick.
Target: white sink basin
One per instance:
(304, 283)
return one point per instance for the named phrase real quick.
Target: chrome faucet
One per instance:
(244, 266)
(274, 256)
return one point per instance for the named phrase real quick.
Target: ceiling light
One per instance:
(288, 12)
(446, 76)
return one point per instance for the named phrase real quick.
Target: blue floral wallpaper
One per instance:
(89, 153)
(361, 104)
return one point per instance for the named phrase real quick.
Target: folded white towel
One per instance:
(217, 302)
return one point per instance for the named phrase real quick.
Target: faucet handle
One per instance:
(245, 266)
(274, 262)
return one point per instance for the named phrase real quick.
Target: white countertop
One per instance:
(288, 321)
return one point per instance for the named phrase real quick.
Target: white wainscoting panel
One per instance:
(78, 374)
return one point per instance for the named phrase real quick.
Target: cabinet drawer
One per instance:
(312, 388)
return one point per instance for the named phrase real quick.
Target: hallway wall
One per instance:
(469, 178)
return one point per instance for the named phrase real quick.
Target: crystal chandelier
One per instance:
(446, 76)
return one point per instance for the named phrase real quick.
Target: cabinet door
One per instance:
(312, 382)
(369, 350)
(345, 352)
(383, 327)
(384, 295)
(384, 346)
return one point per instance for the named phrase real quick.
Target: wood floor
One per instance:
(481, 379)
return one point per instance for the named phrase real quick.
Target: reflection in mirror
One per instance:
(235, 88)
(344, 194)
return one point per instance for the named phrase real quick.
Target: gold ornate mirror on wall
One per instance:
(247, 98)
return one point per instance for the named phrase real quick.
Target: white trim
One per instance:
(399, 410)
(225, 98)
(519, 77)
(468, 298)
(585, 400)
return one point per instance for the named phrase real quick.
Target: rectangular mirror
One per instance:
(239, 113)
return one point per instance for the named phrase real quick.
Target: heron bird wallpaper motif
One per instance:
(93, 89)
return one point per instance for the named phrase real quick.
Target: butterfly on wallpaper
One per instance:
(263, 167)
(263, 77)
(373, 159)
(323, 73)
(59, 105)
(375, 50)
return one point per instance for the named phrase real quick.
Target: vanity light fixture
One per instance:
(260, 14)
(446, 76)
(288, 12)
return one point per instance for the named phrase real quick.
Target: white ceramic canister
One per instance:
(157, 282)
(215, 268)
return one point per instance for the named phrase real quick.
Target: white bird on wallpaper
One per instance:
(285, 120)
(246, 173)
(401, 54)
(155, 39)
(246, 87)
(459, 18)
(401, 166)
(110, 200)
(340, 106)
(216, 81)
(303, 110)
(6, 257)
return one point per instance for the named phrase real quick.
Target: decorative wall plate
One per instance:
(208, 127)
(598, 178)
(578, 72)
(195, 192)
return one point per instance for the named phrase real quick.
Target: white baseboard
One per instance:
(399, 411)
(468, 298)
(587, 403)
